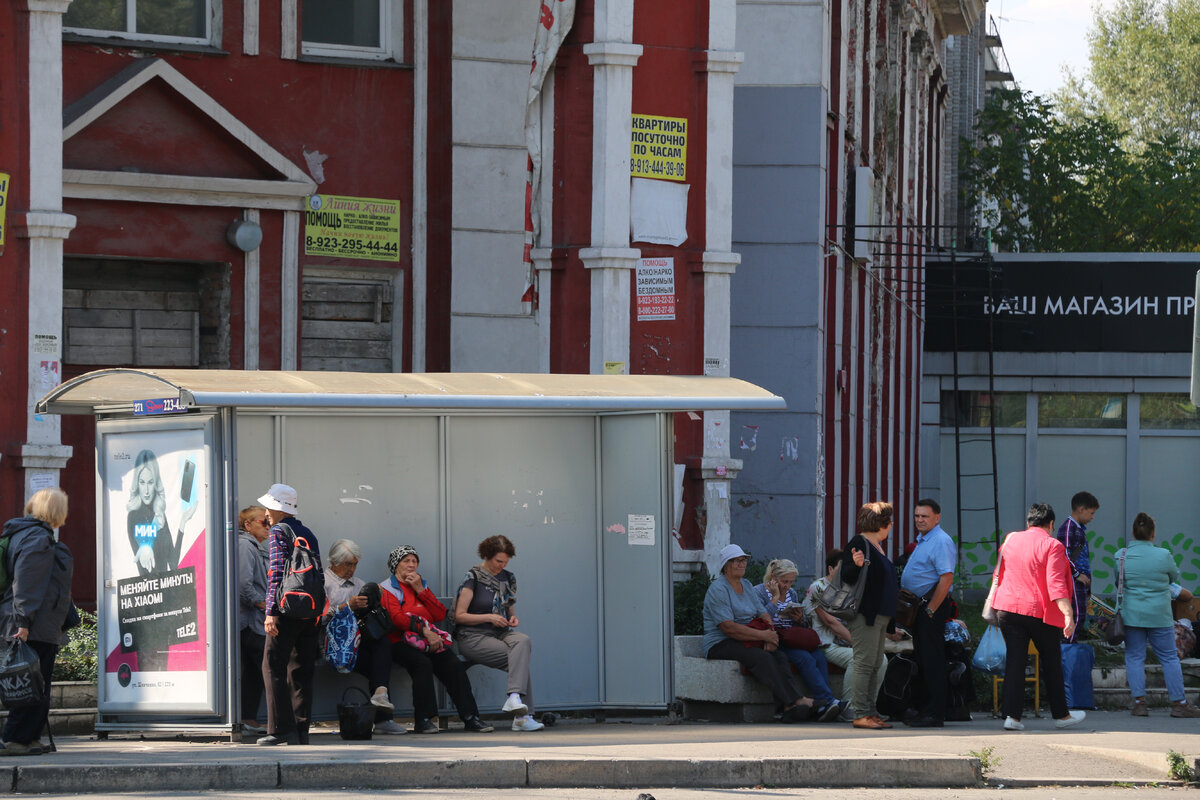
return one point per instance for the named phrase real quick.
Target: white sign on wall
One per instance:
(655, 289)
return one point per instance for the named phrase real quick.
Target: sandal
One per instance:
(869, 723)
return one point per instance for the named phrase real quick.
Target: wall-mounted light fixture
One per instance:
(244, 235)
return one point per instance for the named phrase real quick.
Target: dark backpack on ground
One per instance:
(899, 681)
(302, 588)
(960, 683)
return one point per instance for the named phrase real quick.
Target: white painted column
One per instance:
(289, 306)
(420, 209)
(611, 259)
(250, 27)
(251, 307)
(544, 265)
(45, 226)
(716, 467)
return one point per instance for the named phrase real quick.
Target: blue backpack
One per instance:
(341, 640)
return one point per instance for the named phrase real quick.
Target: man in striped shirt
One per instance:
(1073, 534)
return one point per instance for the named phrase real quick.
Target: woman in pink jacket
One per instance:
(1031, 593)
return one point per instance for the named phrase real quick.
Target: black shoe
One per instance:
(796, 714)
(924, 722)
(830, 712)
(476, 725)
(302, 736)
(272, 739)
(424, 726)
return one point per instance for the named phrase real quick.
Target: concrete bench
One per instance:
(718, 691)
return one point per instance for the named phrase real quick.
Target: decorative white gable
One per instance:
(286, 193)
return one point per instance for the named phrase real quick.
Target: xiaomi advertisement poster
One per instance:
(155, 620)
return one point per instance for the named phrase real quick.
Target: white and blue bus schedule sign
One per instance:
(166, 405)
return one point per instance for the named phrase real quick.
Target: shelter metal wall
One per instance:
(560, 486)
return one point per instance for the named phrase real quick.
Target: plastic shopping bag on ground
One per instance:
(990, 655)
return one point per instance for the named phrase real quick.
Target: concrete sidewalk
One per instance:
(1109, 747)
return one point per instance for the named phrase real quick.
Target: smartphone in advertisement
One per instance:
(189, 478)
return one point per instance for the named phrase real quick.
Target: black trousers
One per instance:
(929, 651)
(24, 725)
(1018, 631)
(422, 665)
(771, 669)
(288, 663)
(253, 645)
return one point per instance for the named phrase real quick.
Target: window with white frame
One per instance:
(168, 21)
(359, 29)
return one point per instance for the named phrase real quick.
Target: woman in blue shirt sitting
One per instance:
(730, 606)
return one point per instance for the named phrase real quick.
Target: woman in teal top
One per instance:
(1145, 607)
(730, 606)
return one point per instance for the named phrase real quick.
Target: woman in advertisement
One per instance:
(154, 548)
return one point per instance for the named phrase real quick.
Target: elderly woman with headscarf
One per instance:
(737, 627)
(421, 648)
(799, 643)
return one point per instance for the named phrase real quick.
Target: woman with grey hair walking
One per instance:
(421, 648)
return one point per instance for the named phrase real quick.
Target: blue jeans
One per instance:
(1163, 642)
(814, 669)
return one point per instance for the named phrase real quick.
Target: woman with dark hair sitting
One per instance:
(485, 621)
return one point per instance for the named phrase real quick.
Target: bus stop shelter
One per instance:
(575, 469)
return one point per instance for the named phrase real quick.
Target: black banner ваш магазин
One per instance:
(1062, 306)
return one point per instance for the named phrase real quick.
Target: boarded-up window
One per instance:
(346, 324)
(145, 314)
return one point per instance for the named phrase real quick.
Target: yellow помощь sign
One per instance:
(352, 227)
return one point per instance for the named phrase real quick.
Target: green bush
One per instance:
(77, 659)
(689, 604)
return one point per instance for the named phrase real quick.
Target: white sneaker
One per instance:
(1011, 724)
(514, 705)
(1073, 718)
(390, 726)
(381, 699)
(526, 724)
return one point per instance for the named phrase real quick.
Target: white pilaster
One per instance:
(289, 307)
(420, 207)
(717, 468)
(289, 29)
(610, 270)
(613, 56)
(545, 271)
(251, 306)
(250, 27)
(45, 226)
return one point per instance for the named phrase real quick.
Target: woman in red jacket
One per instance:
(421, 648)
(1031, 594)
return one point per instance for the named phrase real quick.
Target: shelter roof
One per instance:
(117, 390)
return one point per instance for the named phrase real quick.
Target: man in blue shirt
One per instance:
(929, 574)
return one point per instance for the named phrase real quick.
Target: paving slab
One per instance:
(1108, 748)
